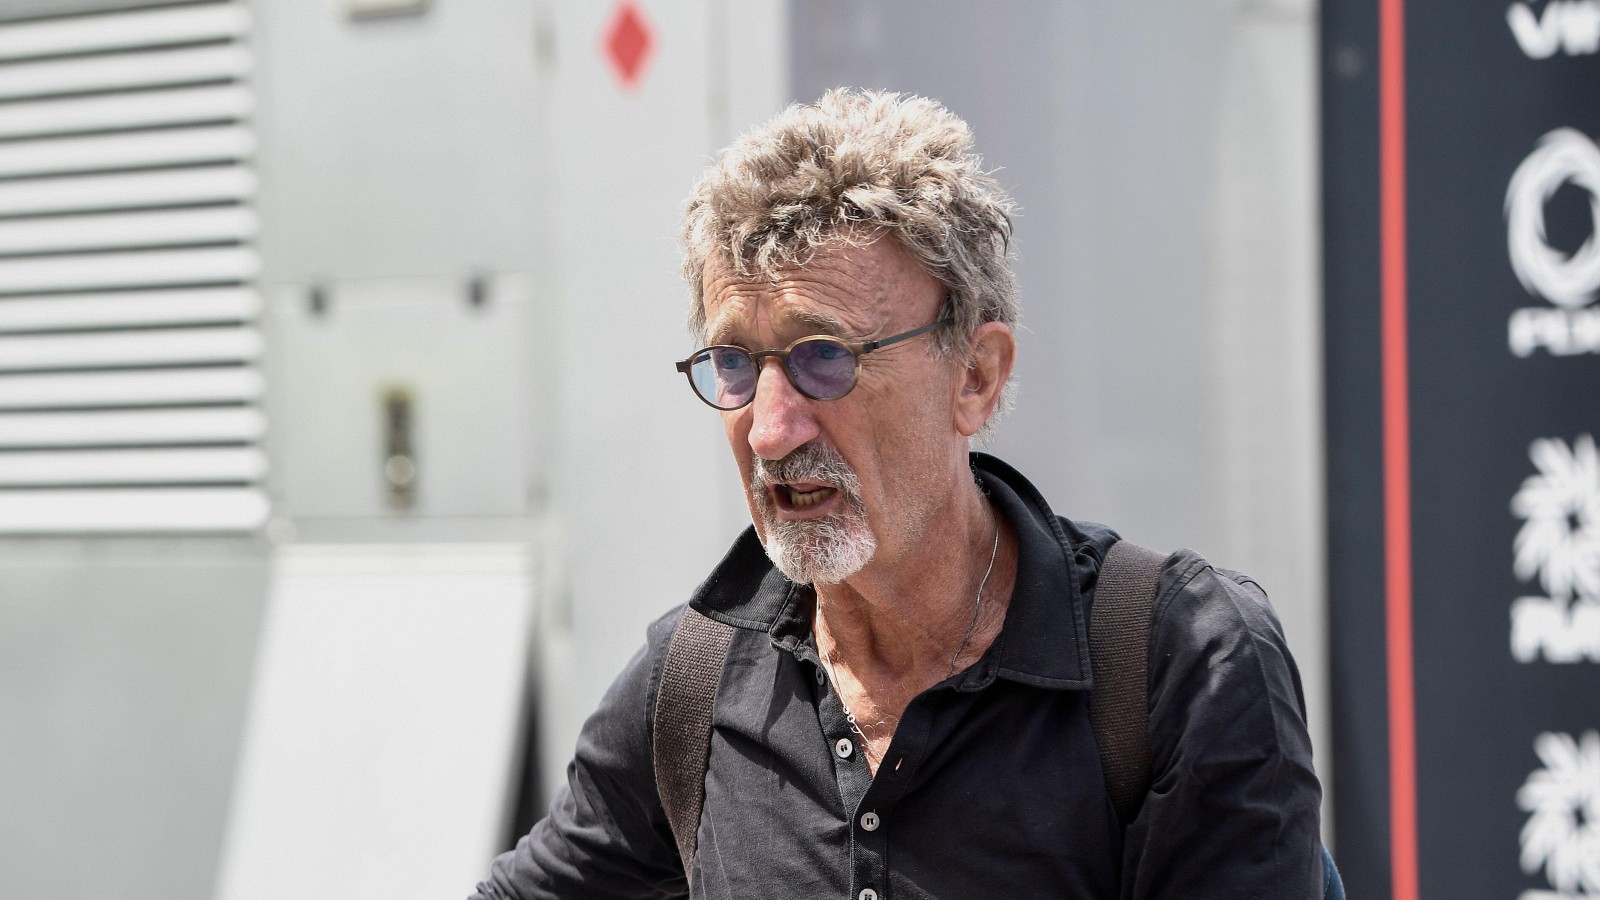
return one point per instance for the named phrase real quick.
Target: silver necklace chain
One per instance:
(978, 606)
(848, 715)
(972, 626)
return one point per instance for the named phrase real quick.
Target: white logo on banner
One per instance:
(1559, 544)
(1562, 835)
(1571, 25)
(1564, 156)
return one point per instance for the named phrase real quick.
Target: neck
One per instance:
(904, 622)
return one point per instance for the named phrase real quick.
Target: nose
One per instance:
(781, 416)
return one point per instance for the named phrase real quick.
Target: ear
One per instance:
(993, 349)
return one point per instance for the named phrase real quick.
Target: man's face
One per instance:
(836, 485)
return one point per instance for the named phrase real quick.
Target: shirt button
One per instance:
(867, 894)
(842, 747)
(870, 821)
(821, 678)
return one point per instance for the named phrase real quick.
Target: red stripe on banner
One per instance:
(1396, 450)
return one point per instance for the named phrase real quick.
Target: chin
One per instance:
(822, 551)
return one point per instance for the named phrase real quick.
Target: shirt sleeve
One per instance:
(606, 836)
(1233, 806)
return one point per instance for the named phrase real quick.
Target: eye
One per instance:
(830, 350)
(730, 360)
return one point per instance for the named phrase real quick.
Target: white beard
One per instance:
(813, 551)
(825, 551)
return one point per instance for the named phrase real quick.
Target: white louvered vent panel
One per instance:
(222, 384)
(185, 65)
(126, 309)
(125, 151)
(186, 106)
(139, 229)
(133, 30)
(102, 193)
(122, 427)
(129, 382)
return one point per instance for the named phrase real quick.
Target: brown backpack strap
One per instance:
(682, 726)
(1119, 651)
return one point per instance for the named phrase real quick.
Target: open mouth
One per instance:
(802, 496)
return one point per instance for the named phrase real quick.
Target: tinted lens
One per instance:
(823, 367)
(723, 376)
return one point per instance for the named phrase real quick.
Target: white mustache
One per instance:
(812, 463)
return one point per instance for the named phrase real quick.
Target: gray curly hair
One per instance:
(851, 167)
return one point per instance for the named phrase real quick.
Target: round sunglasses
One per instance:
(821, 367)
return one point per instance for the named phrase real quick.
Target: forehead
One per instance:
(844, 290)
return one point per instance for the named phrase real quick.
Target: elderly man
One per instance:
(903, 711)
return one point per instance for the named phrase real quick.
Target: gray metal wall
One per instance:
(123, 669)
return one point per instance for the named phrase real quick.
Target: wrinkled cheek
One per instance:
(763, 512)
(736, 424)
(745, 466)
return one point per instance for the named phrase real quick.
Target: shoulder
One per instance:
(1233, 795)
(1199, 602)
(1218, 651)
(659, 632)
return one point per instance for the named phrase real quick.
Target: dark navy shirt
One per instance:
(992, 786)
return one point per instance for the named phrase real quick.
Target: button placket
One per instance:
(869, 837)
(854, 779)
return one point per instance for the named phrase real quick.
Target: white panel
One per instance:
(177, 426)
(384, 720)
(127, 269)
(103, 72)
(132, 509)
(126, 151)
(135, 29)
(133, 466)
(110, 310)
(76, 389)
(471, 396)
(177, 226)
(187, 345)
(134, 110)
(647, 148)
(119, 191)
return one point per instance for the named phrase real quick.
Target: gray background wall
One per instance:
(123, 670)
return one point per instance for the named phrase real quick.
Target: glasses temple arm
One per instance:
(869, 346)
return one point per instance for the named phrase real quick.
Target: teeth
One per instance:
(810, 498)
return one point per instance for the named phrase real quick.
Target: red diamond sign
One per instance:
(628, 42)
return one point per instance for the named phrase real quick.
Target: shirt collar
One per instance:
(1044, 641)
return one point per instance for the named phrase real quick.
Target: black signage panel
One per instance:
(1462, 198)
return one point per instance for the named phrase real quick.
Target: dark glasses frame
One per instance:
(857, 350)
